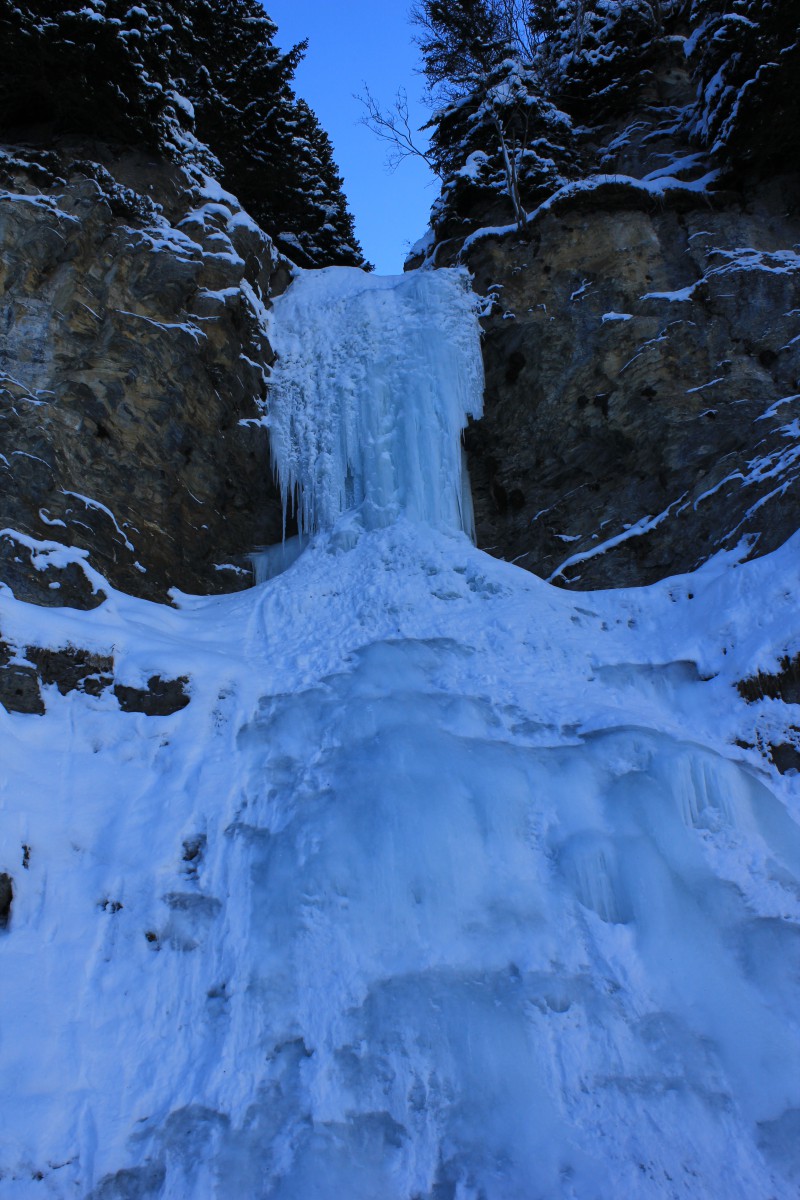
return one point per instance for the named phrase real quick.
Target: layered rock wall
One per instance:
(642, 353)
(643, 389)
(132, 369)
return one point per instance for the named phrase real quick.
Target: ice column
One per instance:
(375, 378)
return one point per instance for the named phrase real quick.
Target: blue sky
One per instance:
(351, 44)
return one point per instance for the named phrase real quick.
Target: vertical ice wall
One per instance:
(375, 378)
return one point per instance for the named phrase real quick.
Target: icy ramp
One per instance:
(446, 885)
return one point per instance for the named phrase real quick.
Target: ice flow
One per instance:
(375, 379)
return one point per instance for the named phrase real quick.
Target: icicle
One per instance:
(274, 560)
(375, 378)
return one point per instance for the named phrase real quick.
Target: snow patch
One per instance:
(444, 877)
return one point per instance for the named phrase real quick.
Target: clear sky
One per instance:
(352, 43)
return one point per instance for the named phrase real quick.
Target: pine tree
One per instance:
(599, 52)
(275, 157)
(497, 143)
(745, 56)
(96, 69)
(308, 211)
(157, 72)
(503, 144)
(461, 41)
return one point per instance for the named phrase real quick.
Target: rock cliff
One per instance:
(132, 366)
(642, 386)
(642, 352)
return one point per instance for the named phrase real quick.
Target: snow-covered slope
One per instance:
(445, 884)
(443, 879)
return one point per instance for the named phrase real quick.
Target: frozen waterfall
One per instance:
(447, 884)
(375, 378)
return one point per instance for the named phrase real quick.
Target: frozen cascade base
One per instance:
(446, 884)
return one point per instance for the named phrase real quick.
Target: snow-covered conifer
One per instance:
(165, 73)
(502, 147)
(95, 68)
(745, 55)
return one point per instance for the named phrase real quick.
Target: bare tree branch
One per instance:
(393, 125)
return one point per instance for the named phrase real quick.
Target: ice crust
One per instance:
(375, 378)
(446, 884)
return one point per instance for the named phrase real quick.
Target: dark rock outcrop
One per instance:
(782, 686)
(160, 698)
(132, 362)
(71, 669)
(19, 683)
(642, 384)
(6, 898)
(642, 353)
(24, 671)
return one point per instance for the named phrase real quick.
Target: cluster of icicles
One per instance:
(375, 379)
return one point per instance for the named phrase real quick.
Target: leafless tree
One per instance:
(512, 140)
(393, 126)
(515, 16)
(510, 152)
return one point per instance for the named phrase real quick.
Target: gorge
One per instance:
(340, 857)
(444, 883)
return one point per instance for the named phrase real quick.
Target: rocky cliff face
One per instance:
(642, 352)
(643, 371)
(132, 366)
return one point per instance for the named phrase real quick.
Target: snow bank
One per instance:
(445, 883)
